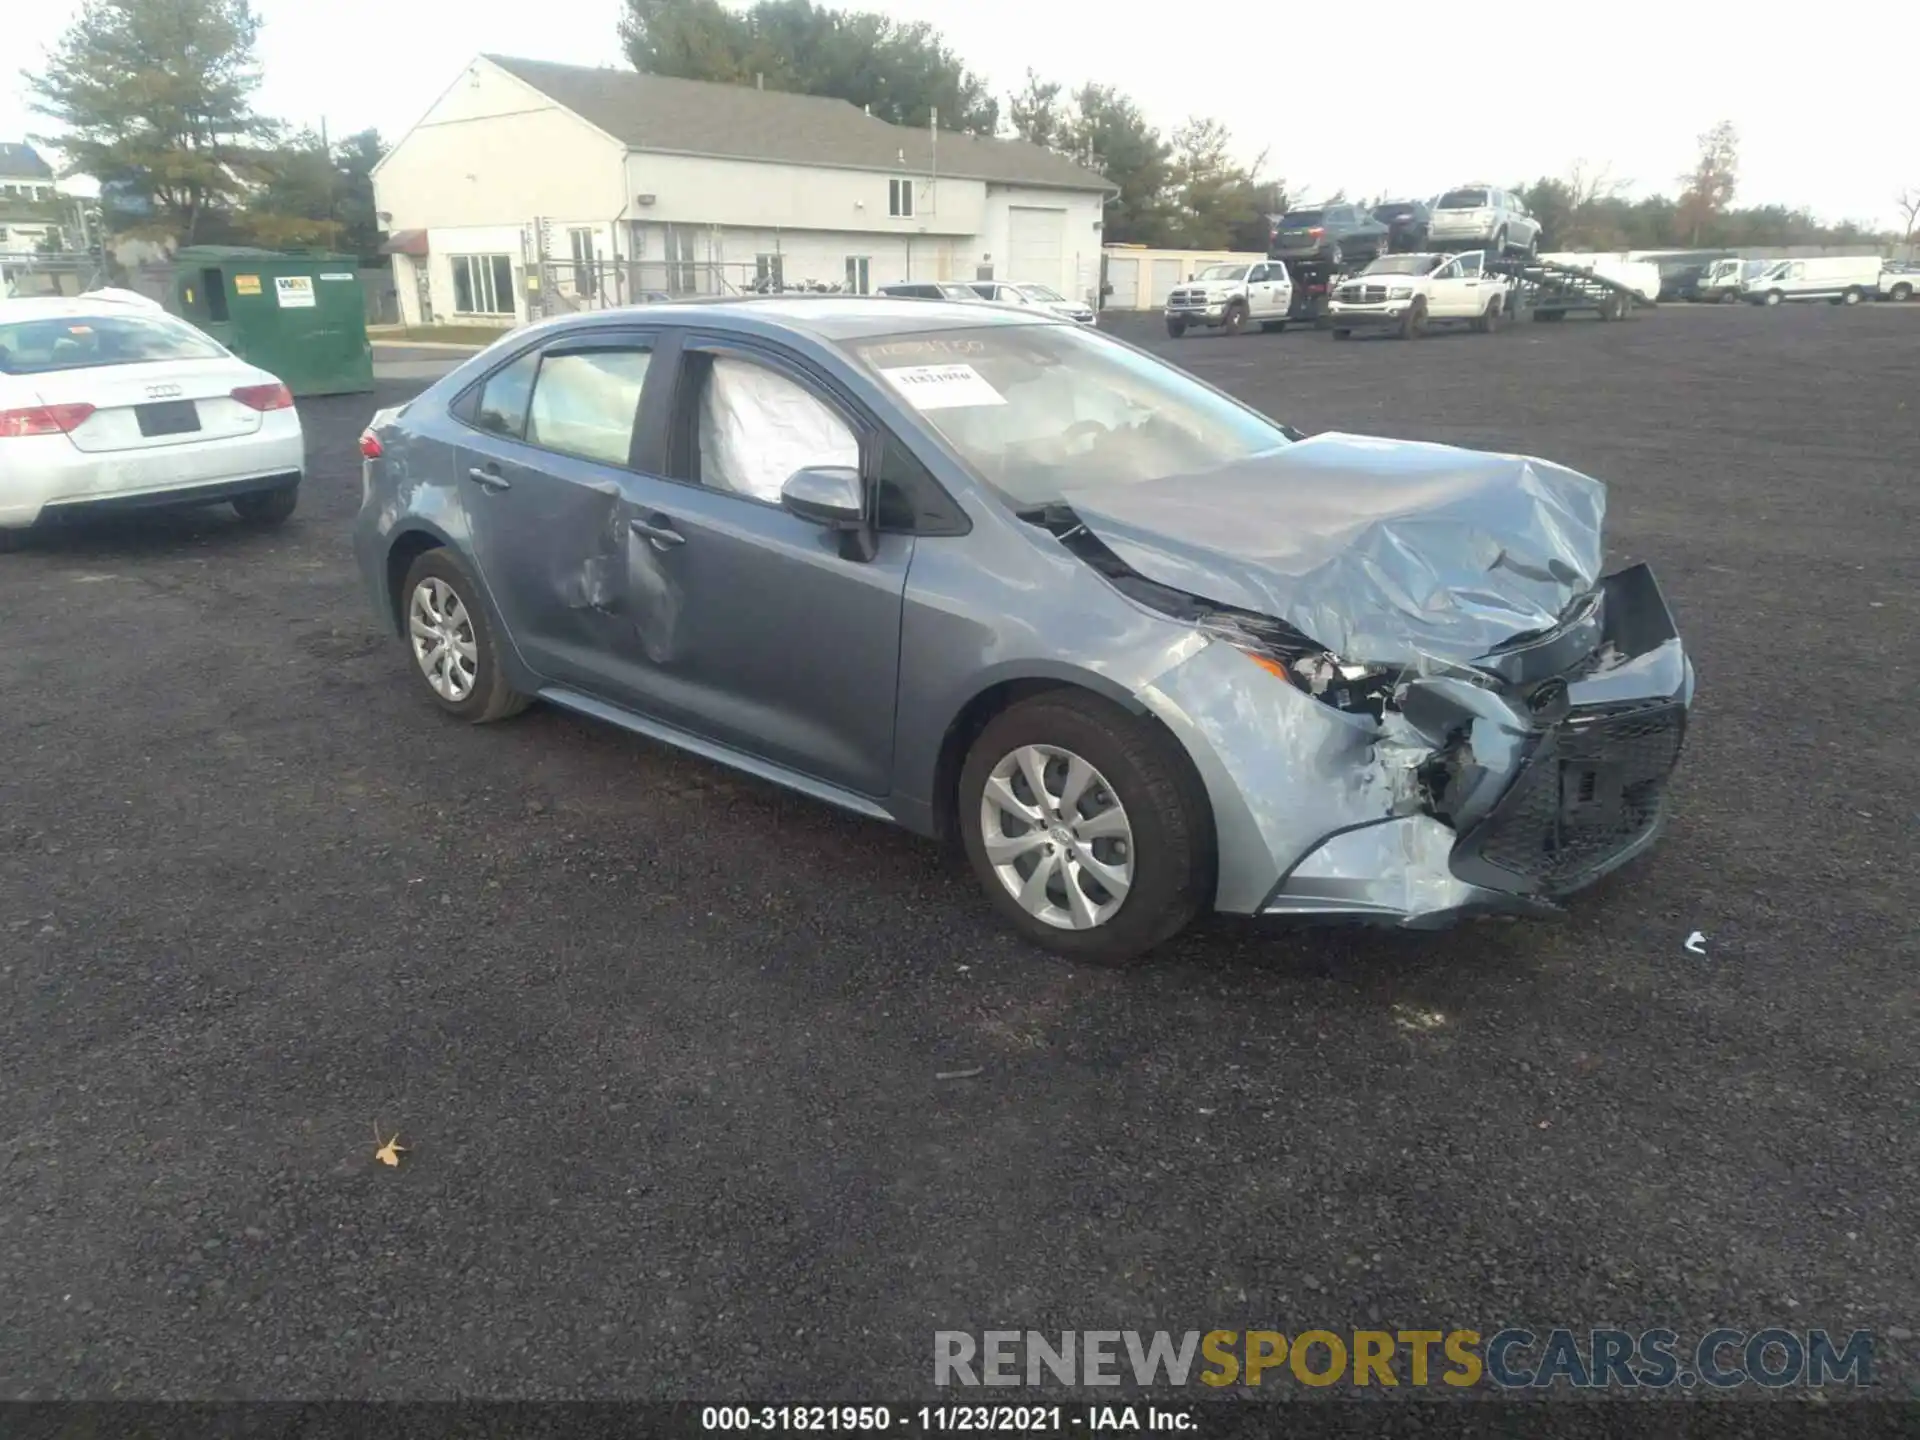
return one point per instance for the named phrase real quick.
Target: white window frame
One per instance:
(483, 284)
(770, 265)
(900, 199)
(860, 274)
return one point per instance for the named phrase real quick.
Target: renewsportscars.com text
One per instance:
(1598, 1358)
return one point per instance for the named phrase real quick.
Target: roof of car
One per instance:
(55, 307)
(829, 317)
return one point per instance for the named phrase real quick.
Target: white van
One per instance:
(1842, 279)
(1724, 279)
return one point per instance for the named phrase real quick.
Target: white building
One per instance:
(532, 186)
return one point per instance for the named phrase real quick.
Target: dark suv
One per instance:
(1406, 222)
(1334, 233)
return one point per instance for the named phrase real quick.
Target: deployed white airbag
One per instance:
(757, 427)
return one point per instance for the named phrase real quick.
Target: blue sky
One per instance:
(1460, 99)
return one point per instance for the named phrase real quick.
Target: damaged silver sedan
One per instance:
(994, 575)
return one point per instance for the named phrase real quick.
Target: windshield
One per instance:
(1042, 292)
(1462, 200)
(80, 342)
(1404, 265)
(1035, 410)
(1223, 272)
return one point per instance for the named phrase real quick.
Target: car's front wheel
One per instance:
(451, 642)
(1087, 827)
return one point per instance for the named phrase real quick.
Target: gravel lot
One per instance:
(661, 1041)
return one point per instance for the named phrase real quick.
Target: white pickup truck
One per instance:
(1899, 280)
(1409, 293)
(1231, 297)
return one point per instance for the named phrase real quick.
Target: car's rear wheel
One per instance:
(268, 507)
(1087, 827)
(451, 642)
(1902, 291)
(1498, 250)
(1236, 319)
(1413, 324)
(1488, 322)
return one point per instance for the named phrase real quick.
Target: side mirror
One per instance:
(831, 496)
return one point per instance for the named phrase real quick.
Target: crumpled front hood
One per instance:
(1380, 550)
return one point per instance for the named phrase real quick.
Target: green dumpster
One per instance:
(299, 314)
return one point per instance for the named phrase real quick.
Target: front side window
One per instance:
(80, 342)
(585, 403)
(1037, 410)
(757, 426)
(483, 284)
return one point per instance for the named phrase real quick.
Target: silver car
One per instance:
(989, 574)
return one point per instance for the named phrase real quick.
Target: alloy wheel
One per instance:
(441, 630)
(1057, 837)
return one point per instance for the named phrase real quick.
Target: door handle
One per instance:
(489, 479)
(661, 535)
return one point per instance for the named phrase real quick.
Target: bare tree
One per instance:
(1589, 184)
(1711, 183)
(1909, 203)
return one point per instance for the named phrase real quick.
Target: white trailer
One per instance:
(1841, 279)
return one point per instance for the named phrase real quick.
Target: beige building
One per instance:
(531, 188)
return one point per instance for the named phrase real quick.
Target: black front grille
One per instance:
(1593, 791)
(1363, 294)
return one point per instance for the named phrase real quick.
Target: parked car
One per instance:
(1842, 279)
(1409, 294)
(1407, 223)
(110, 403)
(1336, 234)
(930, 290)
(1724, 279)
(985, 573)
(1037, 297)
(1898, 279)
(1484, 217)
(1230, 297)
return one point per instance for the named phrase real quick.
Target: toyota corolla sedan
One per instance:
(109, 404)
(988, 574)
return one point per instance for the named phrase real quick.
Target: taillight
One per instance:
(264, 397)
(370, 445)
(1317, 230)
(43, 420)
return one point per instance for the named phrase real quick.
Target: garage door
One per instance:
(1166, 275)
(1035, 240)
(1124, 277)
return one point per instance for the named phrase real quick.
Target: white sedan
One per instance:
(108, 404)
(1034, 297)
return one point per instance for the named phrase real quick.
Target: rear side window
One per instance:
(503, 398)
(1463, 200)
(585, 403)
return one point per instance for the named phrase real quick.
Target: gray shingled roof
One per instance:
(740, 122)
(22, 162)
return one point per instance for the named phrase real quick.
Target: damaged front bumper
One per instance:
(1495, 793)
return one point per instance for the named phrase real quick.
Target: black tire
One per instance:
(267, 508)
(1902, 291)
(1490, 321)
(1272, 327)
(1498, 249)
(1340, 334)
(1730, 297)
(1235, 322)
(1852, 296)
(1532, 252)
(1774, 297)
(1413, 324)
(1172, 825)
(1176, 328)
(491, 697)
